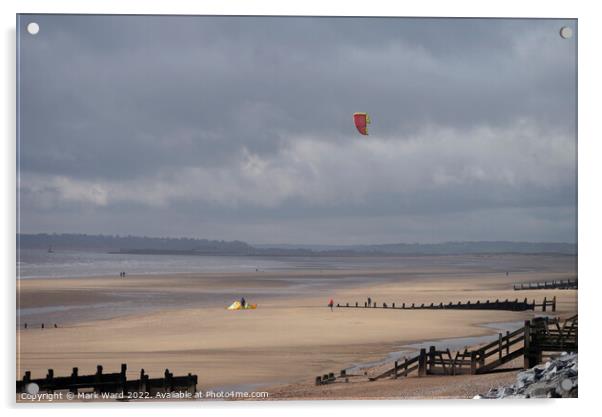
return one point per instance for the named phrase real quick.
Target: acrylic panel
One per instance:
(295, 208)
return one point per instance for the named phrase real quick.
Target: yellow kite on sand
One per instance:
(236, 305)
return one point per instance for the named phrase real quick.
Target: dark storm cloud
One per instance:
(220, 119)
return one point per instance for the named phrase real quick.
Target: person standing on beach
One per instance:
(369, 301)
(331, 304)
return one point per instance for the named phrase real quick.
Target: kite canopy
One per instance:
(362, 120)
(236, 305)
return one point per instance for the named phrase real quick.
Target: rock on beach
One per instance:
(556, 378)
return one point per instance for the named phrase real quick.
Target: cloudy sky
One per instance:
(241, 128)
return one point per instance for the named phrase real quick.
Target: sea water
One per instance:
(36, 263)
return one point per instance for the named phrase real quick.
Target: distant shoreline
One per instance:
(188, 246)
(328, 254)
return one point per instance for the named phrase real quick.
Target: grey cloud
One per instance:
(170, 114)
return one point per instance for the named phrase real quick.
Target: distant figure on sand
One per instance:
(369, 301)
(243, 302)
(331, 304)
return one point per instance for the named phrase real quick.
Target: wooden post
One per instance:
(356, 303)
(554, 304)
(318, 380)
(527, 345)
(544, 304)
(431, 362)
(26, 378)
(168, 382)
(49, 378)
(192, 381)
(500, 345)
(393, 305)
(123, 378)
(403, 305)
(395, 374)
(143, 387)
(98, 379)
(507, 342)
(405, 366)
(422, 363)
(73, 387)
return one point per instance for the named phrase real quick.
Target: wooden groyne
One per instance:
(38, 326)
(538, 335)
(111, 383)
(509, 305)
(569, 284)
(544, 335)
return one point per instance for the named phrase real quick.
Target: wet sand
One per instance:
(289, 339)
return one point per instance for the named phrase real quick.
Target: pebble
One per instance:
(557, 378)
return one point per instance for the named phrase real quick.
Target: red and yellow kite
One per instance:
(362, 120)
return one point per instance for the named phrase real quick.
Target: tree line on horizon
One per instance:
(144, 244)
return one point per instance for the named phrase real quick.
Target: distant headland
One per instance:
(192, 246)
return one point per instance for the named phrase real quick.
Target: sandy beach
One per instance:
(291, 337)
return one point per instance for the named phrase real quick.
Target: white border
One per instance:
(590, 208)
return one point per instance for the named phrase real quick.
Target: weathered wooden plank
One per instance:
(505, 359)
